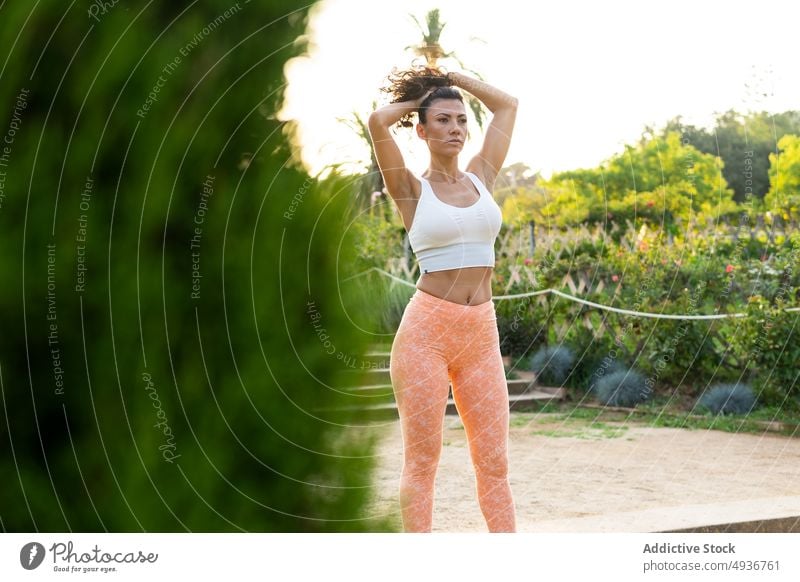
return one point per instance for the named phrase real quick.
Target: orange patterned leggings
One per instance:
(437, 341)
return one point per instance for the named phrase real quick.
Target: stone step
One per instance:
(369, 360)
(515, 387)
(379, 356)
(371, 376)
(374, 365)
(532, 400)
(367, 375)
(372, 393)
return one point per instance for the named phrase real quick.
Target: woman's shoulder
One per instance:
(416, 184)
(482, 172)
(411, 190)
(486, 181)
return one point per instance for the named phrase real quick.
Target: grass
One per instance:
(594, 431)
(566, 427)
(659, 413)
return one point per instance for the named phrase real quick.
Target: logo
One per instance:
(31, 555)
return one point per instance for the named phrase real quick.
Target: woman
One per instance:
(448, 333)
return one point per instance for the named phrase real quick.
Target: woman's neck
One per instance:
(444, 170)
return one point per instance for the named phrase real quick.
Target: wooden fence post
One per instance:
(532, 228)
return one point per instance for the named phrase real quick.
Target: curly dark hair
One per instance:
(409, 84)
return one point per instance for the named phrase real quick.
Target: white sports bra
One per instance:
(445, 237)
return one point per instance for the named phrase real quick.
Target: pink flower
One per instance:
(729, 269)
(614, 278)
(528, 261)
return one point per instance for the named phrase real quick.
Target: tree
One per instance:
(171, 298)
(784, 178)
(372, 182)
(516, 175)
(431, 50)
(744, 143)
(657, 180)
(524, 207)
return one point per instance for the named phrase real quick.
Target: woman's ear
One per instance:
(421, 131)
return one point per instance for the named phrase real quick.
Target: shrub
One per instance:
(377, 241)
(593, 369)
(767, 342)
(596, 354)
(728, 399)
(624, 388)
(222, 420)
(678, 352)
(552, 364)
(521, 324)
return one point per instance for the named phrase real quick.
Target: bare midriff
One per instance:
(467, 286)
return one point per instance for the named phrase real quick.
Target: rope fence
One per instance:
(577, 300)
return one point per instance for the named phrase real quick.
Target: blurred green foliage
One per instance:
(783, 197)
(744, 143)
(168, 366)
(768, 347)
(656, 181)
(703, 270)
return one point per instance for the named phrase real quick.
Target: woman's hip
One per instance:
(429, 322)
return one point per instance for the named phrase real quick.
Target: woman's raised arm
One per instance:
(390, 160)
(488, 162)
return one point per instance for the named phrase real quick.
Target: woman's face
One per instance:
(445, 129)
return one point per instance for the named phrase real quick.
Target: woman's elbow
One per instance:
(375, 119)
(507, 103)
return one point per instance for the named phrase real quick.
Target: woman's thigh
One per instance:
(419, 374)
(480, 390)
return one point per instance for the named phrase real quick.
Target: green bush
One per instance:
(624, 388)
(717, 260)
(521, 325)
(552, 364)
(378, 241)
(596, 367)
(728, 399)
(766, 342)
(164, 368)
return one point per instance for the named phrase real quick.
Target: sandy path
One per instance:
(567, 470)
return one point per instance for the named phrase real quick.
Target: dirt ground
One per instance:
(563, 470)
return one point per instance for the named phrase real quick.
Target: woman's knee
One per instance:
(422, 463)
(492, 463)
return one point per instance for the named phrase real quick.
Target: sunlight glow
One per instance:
(589, 75)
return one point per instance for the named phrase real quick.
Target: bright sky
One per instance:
(589, 75)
